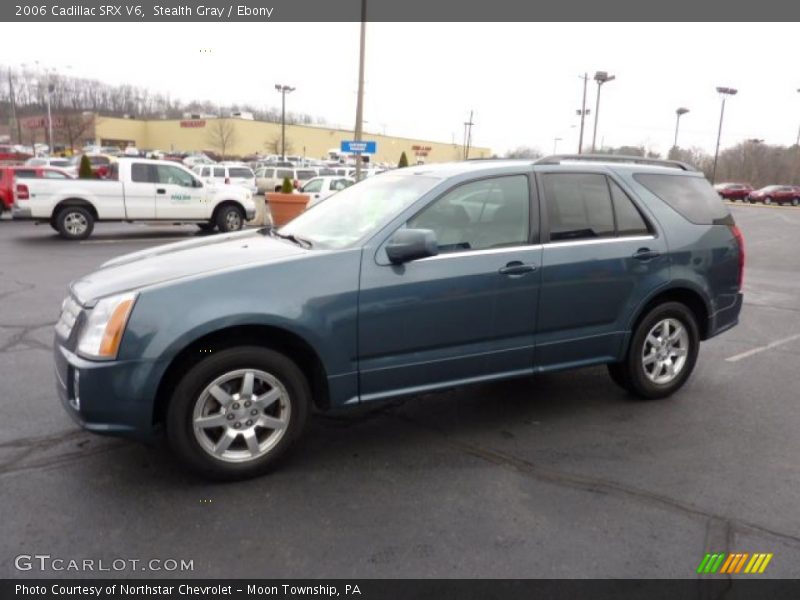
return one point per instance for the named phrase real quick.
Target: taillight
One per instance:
(22, 192)
(737, 234)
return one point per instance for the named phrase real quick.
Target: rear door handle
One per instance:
(517, 268)
(161, 191)
(646, 254)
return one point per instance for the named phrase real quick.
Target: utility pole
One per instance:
(600, 77)
(468, 135)
(360, 100)
(583, 112)
(724, 92)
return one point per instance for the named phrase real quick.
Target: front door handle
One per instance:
(517, 268)
(161, 191)
(646, 254)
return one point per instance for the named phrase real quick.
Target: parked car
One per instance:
(12, 154)
(421, 279)
(137, 190)
(270, 179)
(320, 188)
(777, 194)
(10, 175)
(240, 175)
(44, 161)
(734, 191)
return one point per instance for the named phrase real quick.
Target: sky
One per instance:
(522, 80)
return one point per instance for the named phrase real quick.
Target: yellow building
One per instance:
(244, 137)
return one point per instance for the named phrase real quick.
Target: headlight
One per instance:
(105, 323)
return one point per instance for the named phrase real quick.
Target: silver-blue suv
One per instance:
(410, 281)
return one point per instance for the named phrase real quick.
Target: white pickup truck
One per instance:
(135, 190)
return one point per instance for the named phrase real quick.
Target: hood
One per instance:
(183, 259)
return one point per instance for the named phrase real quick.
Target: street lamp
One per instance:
(679, 113)
(600, 77)
(724, 92)
(283, 90)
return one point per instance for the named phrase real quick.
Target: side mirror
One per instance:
(410, 244)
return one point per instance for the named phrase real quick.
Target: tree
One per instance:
(85, 169)
(222, 135)
(524, 152)
(403, 160)
(74, 127)
(287, 187)
(274, 145)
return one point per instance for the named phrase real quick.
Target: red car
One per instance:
(9, 154)
(777, 194)
(9, 176)
(734, 191)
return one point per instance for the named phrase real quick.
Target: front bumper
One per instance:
(110, 398)
(250, 214)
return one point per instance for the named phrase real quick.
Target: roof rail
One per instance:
(557, 159)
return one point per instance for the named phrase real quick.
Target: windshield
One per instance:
(358, 210)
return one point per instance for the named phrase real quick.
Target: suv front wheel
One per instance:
(235, 413)
(662, 352)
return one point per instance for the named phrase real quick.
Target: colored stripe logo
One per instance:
(737, 562)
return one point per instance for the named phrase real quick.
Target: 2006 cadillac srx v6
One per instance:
(419, 279)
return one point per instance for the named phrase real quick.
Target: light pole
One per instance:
(582, 112)
(283, 90)
(360, 99)
(679, 113)
(724, 92)
(600, 77)
(797, 142)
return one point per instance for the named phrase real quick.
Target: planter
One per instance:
(285, 207)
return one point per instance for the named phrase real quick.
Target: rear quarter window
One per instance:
(689, 195)
(240, 172)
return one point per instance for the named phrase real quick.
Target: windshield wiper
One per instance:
(304, 243)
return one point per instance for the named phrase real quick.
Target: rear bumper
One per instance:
(21, 212)
(725, 318)
(104, 397)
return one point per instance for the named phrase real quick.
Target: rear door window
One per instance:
(689, 195)
(140, 173)
(578, 206)
(219, 172)
(629, 219)
(240, 172)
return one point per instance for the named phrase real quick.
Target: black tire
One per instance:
(53, 224)
(74, 223)
(189, 392)
(207, 227)
(230, 218)
(632, 370)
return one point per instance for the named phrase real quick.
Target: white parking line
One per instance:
(776, 343)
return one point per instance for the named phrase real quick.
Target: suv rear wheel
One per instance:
(662, 353)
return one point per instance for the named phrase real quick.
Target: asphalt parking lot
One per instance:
(557, 476)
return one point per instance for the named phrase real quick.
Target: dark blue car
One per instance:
(414, 280)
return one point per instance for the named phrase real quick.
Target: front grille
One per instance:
(69, 314)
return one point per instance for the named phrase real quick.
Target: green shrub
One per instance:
(287, 187)
(403, 160)
(85, 169)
